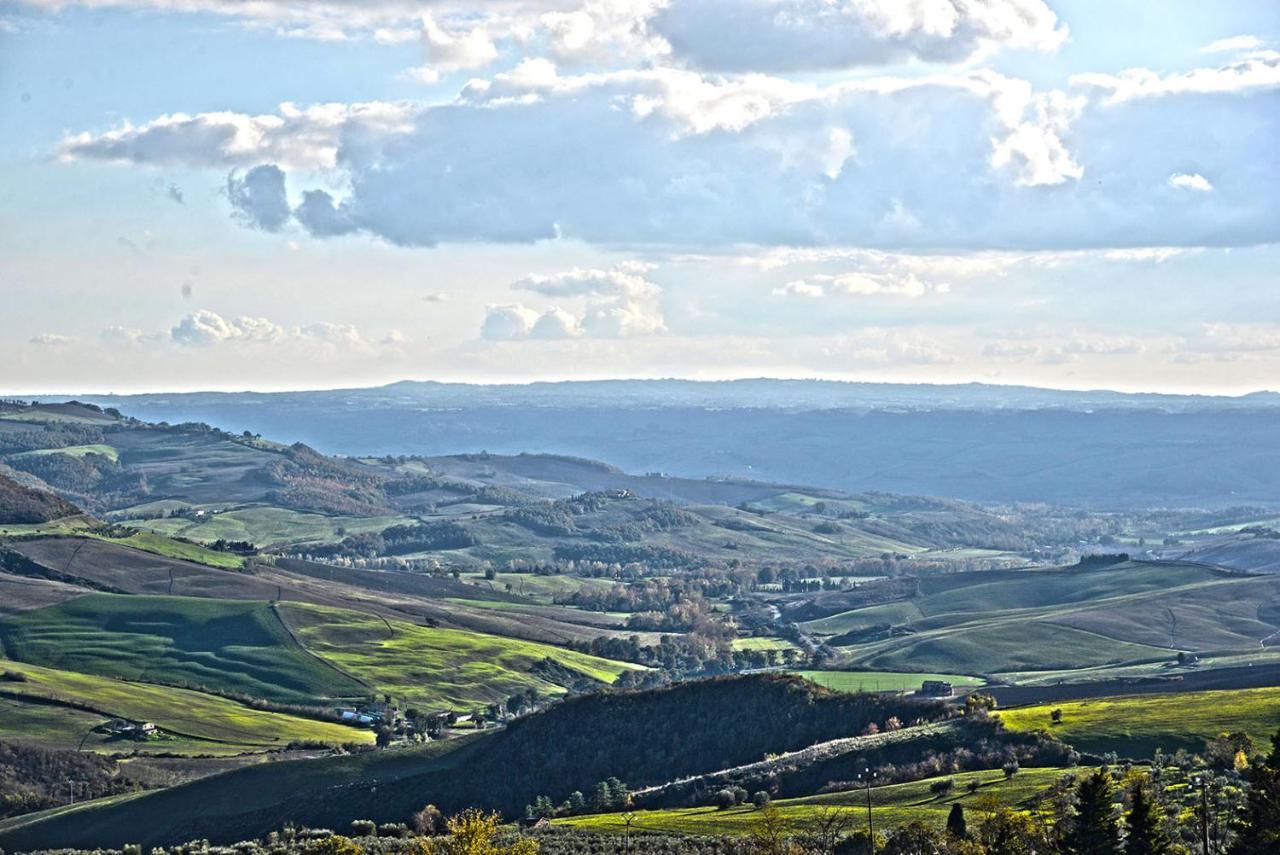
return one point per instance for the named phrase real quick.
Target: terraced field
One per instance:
(39, 709)
(224, 645)
(1135, 726)
(428, 666)
(893, 805)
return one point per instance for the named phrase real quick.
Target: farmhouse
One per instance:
(936, 689)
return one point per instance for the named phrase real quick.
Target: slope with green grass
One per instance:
(194, 722)
(429, 666)
(893, 805)
(266, 527)
(227, 646)
(1136, 725)
(883, 681)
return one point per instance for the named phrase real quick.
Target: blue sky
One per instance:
(217, 194)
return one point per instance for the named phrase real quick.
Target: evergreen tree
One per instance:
(1093, 829)
(1260, 833)
(1146, 837)
(956, 825)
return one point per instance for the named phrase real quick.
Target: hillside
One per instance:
(26, 506)
(1045, 624)
(571, 746)
(985, 443)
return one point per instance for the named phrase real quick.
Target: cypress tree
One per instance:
(956, 825)
(1146, 837)
(1260, 834)
(1093, 830)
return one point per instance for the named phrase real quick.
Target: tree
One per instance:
(760, 799)
(472, 832)
(956, 825)
(913, 839)
(1146, 837)
(724, 799)
(1093, 830)
(1007, 832)
(429, 821)
(1010, 769)
(1260, 831)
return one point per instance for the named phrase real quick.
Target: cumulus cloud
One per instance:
(205, 328)
(511, 322)
(452, 51)
(660, 155)
(1190, 181)
(119, 335)
(793, 35)
(619, 303)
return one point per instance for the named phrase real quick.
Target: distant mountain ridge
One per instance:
(971, 441)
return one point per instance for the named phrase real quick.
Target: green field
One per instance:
(428, 666)
(161, 545)
(267, 527)
(202, 723)
(883, 681)
(893, 805)
(1036, 623)
(537, 587)
(762, 643)
(1136, 725)
(224, 645)
(106, 451)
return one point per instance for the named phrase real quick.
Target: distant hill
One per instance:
(973, 441)
(25, 505)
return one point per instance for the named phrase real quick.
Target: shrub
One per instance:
(760, 799)
(942, 787)
(364, 828)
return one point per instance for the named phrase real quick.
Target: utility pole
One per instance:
(866, 777)
(1203, 783)
(627, 819)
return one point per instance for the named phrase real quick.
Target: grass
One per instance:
(1137, 725)
(106, 451)
(762, 643)
(1024, 624)
(229, 646)
(158, 544)
(892, 806)
(204, 723)
(536, 587)
(267, 527)
(882, 681)
(433, 667)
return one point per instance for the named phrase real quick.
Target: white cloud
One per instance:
(294, 138)
(793, 35)
(555, 323)
(204, 327)
(1256, 71)
(862, 284)
(344, 335)
(877, 346)
(49, 339)
(1190, 181)
(1233, 44)
(118, 335)
(620, 303)
(436, 297)
(511, 322)
(452, 51)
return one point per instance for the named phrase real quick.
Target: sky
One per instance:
(266, 194)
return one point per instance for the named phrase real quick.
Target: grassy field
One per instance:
(882, 681)
(428, 666)
(224, 645)
(267, 527)
(159, 544)
(893, 805)
(1135, 726)
(762, 643)
(1053, 621)
(203, 723)
(106, 451)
